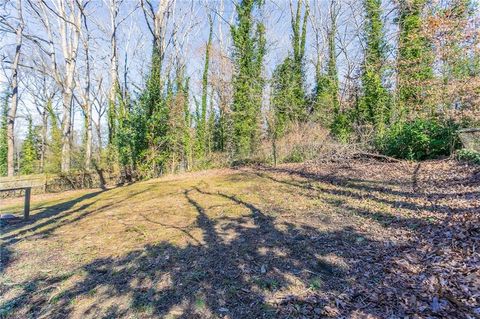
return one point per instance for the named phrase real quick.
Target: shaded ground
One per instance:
(357, 240)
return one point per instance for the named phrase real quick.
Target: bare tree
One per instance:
(113, 6)
(157, 21)
(68, 18)
(319, 28)
(12, 111)
(99, 98)
(85, 91)
(350, 44)
(43, 91)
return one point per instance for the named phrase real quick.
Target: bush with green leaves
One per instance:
(342, 126)
(470, 156)
(420, 139)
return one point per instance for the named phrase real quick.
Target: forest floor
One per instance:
(360, 239)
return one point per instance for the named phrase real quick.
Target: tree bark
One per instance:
(69, 33)
(44, 137)
(88, 146)
(12, 112)
(87, 105)
(66, 129)
(113, 70)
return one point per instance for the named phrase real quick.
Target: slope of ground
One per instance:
(352, 240)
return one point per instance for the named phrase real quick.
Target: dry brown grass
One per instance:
(304, 142)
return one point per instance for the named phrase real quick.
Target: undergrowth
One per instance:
(469, 156)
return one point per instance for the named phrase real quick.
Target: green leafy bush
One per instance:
(469, 156)
(342, 127)
(420, 139)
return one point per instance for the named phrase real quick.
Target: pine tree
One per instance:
(249, 50)
(373, 107)
(414, 59)
(3, 136)
(29, 154)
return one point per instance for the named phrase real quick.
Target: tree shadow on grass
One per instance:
(49, 213)
(58, 215)
(351, 188)
(264, 269)
(248, 266)
(50, 218)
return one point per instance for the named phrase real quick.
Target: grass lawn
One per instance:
(355, 240)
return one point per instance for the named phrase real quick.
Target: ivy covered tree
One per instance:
(321, 106)
(188, 133)
(222, 128)
(178, 138)
(332, 71)
(112, 115)
(288, 82)
(3, 136)
(211, 126)
(374, 105)
(415, 60)
(29, 154)
(152, 121)
(202, 124)
(284, 99)
(453, 36)
(248, 54)
(326, 105)
(127, 134)
(54, 146)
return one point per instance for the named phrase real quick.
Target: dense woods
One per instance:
(145, 88)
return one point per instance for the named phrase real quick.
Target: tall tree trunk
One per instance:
(202, 126)
(332, 69)
(70, 33)
(66, 129)
(44, 136)
(99, 136)
(86, 97)
(88, 141)
(113, 71)
(12, 112)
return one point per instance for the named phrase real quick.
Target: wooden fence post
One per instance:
(26, 210)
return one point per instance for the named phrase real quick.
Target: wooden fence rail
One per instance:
(43, 183)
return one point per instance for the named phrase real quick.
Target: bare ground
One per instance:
(363, 239)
